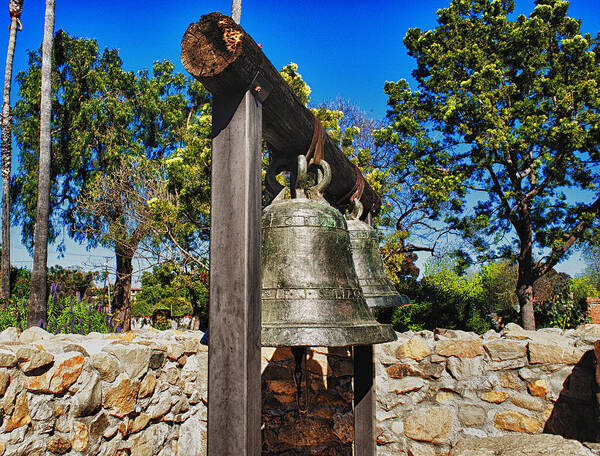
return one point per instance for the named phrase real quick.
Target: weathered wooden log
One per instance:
(226, 60)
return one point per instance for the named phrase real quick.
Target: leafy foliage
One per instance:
(447, 297)
(73, 301)
(104, 119)
(181, 291)
(20, 281)
(582, 288)
(567, 307)
(88, 92)
(442, 299)
(290, 74)
(66, 313)
(176, 306)
(14, 314)
(74, 315)
(398, 259)
(499, 281)
(506, 119)
(591, 255)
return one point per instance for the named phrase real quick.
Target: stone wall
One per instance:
(179, 323)
(436, 389)
(144, 392)
(327, 428)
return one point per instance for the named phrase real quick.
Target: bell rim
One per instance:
(386, 301)
(322, 335)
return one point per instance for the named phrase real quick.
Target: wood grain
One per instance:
(234, 395)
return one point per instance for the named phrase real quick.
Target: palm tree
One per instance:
(14, 7)
(37, 295)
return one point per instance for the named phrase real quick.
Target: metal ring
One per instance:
(323, 180)
(357, 210)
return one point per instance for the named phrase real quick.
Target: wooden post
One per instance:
(364, 401)
(364, 396)
(234, 394)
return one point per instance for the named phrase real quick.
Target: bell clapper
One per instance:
(299, 356)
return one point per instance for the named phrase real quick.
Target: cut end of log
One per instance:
(210, 45)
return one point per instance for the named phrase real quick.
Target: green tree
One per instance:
(38, 294)
(583, 288)
(398, 258)
(499, 283)
(72, 281)
(181, 290)
(14, 7)
(101, 115)
(443, 298)
(505, 120)
(180, 209)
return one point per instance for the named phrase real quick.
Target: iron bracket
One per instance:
(260, 87)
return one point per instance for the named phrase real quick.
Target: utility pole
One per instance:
(107, 283)
(236, 10)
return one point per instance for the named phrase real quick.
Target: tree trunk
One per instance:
(196, 314)
(121, 306)
(15, 11)
(527, 274)
(37, 296)
(223, 57)
(525, 283)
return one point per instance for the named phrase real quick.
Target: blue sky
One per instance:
(346, 49)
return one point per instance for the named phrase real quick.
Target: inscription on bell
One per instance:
(361, 234)
(302, 220)
(311, 293)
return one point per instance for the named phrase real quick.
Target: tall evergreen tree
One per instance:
(38, 294)
(507, 119)
(14, 8)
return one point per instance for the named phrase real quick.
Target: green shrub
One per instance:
(13, 314)
(410, 318)
(185, 289)
(442, 301)
(444, 298)
(567, 308)
(77, 316)
(141, 307)
(20, 279)
(66, 314)
(177, 306)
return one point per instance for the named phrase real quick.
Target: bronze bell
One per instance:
(377, 287)
(310, 292)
